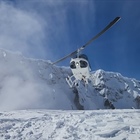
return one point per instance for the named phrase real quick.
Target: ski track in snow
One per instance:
(70, 125)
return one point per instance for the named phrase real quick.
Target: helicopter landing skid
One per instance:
(72, 81)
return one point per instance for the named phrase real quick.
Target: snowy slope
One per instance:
(70, 125)
(28, 83)
(36, 84)
(123, 92)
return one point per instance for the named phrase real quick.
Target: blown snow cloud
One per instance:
(40, 29)
(21, 30)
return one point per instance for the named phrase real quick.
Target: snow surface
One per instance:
(70, 125)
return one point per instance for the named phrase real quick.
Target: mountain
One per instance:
(36, 103)
(36, 84)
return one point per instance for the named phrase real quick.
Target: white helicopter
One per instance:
(79, 65)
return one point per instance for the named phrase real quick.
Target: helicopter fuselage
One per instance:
(80, 69)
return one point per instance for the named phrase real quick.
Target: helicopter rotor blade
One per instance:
(91, 40)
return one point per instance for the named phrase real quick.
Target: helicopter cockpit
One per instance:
(80, 69)
(81, 63)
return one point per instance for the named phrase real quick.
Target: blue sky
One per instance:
(50, 29)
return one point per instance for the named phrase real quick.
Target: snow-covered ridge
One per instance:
(36, 84)
(122, 91)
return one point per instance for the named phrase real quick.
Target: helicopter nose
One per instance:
(77, 63)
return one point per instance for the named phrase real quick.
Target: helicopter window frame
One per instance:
(83, 64)
(73, 65)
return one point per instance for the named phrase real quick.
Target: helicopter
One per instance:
(79, 64)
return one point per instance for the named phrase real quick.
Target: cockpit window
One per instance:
(83, 64)
(72, 65)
